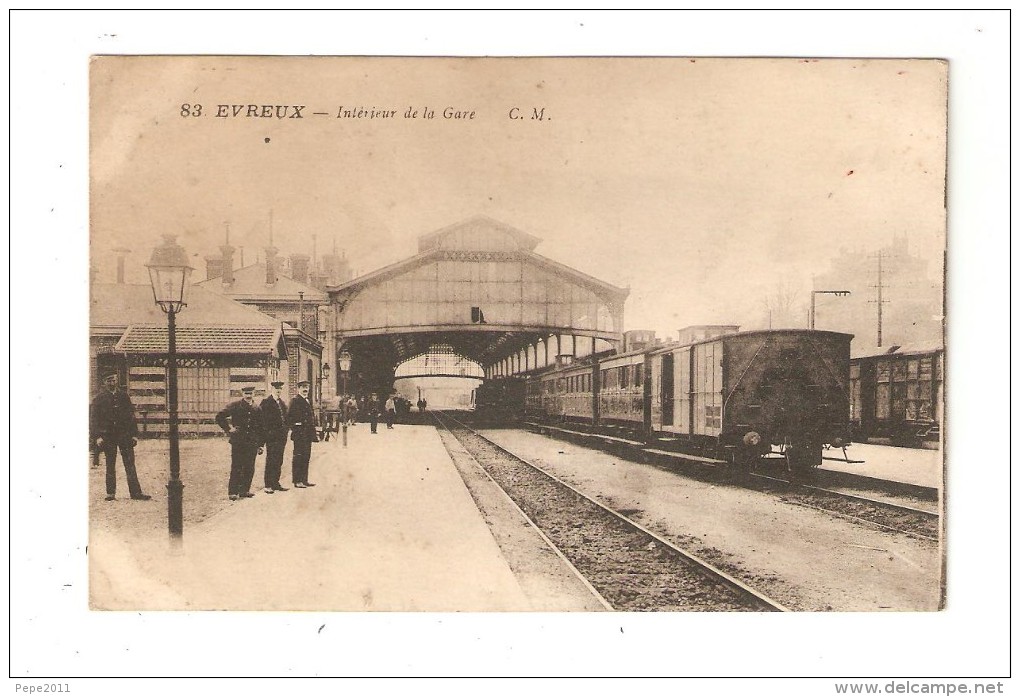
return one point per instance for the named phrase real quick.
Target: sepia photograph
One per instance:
(662, 334)
(510, 349)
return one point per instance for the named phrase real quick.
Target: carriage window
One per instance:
(713, 416)
(899, 371)
(638, 375)
(882, 371)
(912, 369)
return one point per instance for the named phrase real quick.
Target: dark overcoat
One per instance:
(301, 420)
(112, 417)
(274, 419)
(247, 421)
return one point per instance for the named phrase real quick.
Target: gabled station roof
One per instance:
(452, 240)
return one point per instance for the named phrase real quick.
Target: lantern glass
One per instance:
(169, 273)
(344, 361)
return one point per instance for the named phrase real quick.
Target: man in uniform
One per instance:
(113, 426)
(243, 423)
(373, 409)
(301, 421)
(274, 426)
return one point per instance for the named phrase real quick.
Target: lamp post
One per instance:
(840, 293)
(343, 364)
(169, 272)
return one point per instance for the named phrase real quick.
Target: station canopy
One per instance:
(479, 289)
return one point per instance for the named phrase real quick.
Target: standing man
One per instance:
(350, 410)
(113, 426)
(373, 411)
(274, 426)
(391, 411)
(301, 420)
(243, 423)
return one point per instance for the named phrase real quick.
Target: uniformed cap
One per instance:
(110, 377)
(276, 384)
(247, 389)
(303, 383)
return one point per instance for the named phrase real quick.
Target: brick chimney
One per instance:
(228, 261)
(213, 267)
(271, 265)
(228, 264)
(299, 267)
(121, 254)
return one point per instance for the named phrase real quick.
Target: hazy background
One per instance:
(703, 185)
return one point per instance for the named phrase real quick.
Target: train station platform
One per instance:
(915, 466)
(389, 526)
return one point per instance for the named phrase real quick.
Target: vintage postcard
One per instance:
(517, 334)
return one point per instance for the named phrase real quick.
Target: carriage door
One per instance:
(666, 389)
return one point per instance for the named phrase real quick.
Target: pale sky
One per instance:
(700, 184)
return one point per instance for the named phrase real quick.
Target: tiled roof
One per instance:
(204, 340)
(250, 283)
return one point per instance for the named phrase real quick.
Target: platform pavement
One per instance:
(908, 465)
(389, 526)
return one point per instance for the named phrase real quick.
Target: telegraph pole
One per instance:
(879, 301)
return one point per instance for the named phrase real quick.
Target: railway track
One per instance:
(627, 566)
(892, 517)
(900, 518)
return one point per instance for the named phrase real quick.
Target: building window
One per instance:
(203, 390)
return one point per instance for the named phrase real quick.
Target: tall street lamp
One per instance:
(169, 272)
(343, 364)
(840, 293)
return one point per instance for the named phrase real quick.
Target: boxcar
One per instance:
(896, 394)
(736, 396)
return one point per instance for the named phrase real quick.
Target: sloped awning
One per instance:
(199, 340)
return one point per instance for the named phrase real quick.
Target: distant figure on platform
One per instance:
(113, 426)
(421, 405)
(274, 426)
(373, 408)
(350, 410)
(391, 411)
(242, 422)
(301, 420)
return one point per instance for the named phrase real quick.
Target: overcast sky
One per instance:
(700, 184)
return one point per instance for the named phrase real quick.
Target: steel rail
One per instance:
(552, 545)
(707, 569)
